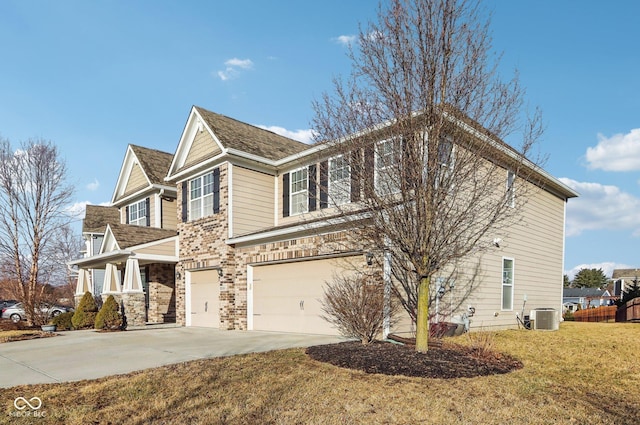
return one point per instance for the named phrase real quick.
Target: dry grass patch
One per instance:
(21, 335)
(584, 373)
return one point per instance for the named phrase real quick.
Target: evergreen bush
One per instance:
(109, 317)
(63, 321)
(85, 314)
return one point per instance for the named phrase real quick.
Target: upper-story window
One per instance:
(138, 213)
(204, 195)
(387, 154)
(299, 191)
(339, 180)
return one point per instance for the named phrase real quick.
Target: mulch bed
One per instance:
(444, 361)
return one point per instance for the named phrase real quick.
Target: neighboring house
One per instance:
(585, 298)
(133, 243)
(623, 279)
(257, 241)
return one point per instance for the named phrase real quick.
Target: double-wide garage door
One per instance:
(205, 298)
(287, 297)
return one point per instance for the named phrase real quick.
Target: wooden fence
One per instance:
(629, 312)
(598, 314)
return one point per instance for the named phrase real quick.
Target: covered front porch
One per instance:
(143, 283)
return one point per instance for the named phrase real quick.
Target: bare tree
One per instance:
(33, 196)
(418, 130)
(355, 304)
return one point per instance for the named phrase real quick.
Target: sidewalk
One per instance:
(78, 355)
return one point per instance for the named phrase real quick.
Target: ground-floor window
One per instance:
(507, 283)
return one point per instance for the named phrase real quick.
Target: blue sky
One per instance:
(94, 76)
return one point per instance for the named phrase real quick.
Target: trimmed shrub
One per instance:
(63, 321)
(109, 317)
(85, 315)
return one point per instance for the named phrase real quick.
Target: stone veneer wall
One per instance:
(133, 304)
(202, 245)
(162, 295)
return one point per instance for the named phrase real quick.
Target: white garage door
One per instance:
(205, 298)
(287, 297)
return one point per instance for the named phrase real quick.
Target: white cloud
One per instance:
(77, 209)
(607, 267)
(304, 136)
(233, 68)
(620, 152)
(601, 207)
(345, 40)
(239, 63)
(94, 185)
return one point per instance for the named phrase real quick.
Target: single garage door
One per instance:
(205, 298)
(287, 297)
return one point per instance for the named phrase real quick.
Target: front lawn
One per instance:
(584, 373)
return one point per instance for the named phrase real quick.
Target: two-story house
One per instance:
(132, 245)
(258, 241)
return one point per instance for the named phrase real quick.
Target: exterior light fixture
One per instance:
(219, 272)
(369, 257)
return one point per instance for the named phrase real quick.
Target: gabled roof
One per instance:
(583, 292)
(128, 235)
(231, 134)
(248, 138)
(153, 164)
(96, 218)
(620, 273)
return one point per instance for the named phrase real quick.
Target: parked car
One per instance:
(16, 312)
(7, 303)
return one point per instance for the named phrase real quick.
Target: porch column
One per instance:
(133, 302)
(83, 285)
(112, 284)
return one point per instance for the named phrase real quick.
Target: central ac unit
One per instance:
(545, 319)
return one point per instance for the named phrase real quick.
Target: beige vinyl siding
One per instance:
(203, 147)
(536, 246)
(136, 180)
(162, 248)
(252, 200)
(169, 215)
(152, 210)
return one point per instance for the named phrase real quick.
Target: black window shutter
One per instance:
(148, 208)
(312, 179)
(216, 191)
(368, 170)
(126, 214)
(356, 174)
(285, 195)
(324, 184)
(185, 198)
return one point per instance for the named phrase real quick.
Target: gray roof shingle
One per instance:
(155, 163)
(96, 218)
(129, 235)
(250, 139)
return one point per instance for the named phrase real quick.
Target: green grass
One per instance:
(584, 373)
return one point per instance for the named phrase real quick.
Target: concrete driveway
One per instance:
(78, 355)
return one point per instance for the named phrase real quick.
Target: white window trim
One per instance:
(511, 285)
(299, 192)
(202, 196)
(378, 169)
(140, 220)
(511, 189)
(345, 190)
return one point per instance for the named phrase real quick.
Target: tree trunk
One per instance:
(422, 321)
